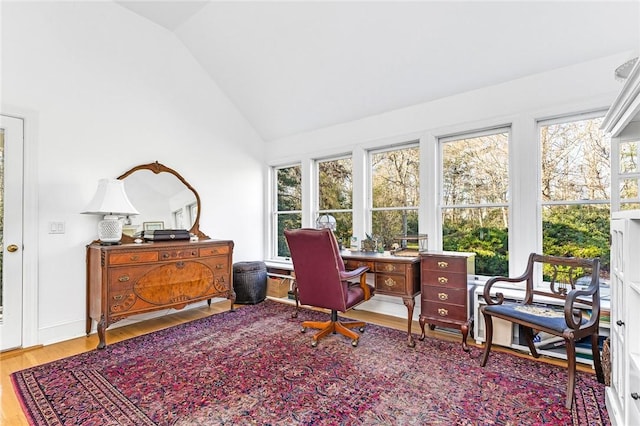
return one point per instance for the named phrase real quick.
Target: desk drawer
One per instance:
(454, 296)
(444, 279)
(391, 284)
(444, 263)
(390, 268)
(350, 264)
(189, 253)
(444, 311)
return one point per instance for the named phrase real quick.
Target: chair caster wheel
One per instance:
(314, 343)
(361, 329)
(303, 330)
(354, 343)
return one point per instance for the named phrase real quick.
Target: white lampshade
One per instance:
(111, 201)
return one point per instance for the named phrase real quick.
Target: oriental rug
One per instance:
(255, 367)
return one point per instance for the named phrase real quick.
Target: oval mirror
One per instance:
(164, 199)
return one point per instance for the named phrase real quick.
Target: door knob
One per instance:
(12, 248)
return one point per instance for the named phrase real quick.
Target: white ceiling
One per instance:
(301, 65)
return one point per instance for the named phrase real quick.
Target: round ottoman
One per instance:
(250, 282)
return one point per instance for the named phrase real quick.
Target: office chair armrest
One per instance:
(360, 272)
(348, 275)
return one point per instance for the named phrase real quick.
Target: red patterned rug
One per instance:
(254, 366)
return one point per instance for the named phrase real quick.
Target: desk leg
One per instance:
(409, 302)
(464, 328)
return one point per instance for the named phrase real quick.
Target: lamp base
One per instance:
(110, 230)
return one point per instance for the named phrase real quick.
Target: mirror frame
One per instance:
(157, 168)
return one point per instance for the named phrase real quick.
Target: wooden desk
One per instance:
(394, 276)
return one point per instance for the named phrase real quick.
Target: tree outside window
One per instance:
(395, 194)
(575, 187)
(335, 195)
(288, 214)
(475, 197)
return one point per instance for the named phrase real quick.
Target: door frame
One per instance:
(30, 283)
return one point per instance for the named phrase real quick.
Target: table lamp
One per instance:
(111, 201)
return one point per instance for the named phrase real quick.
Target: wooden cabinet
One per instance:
(393, 276)
(623, 392)
(131, 279)
(444, 288)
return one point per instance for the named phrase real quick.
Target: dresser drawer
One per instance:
(454, 296)
(133, 257)
(213, 251)
(171, 254)
(444, 311)
(444, 263)
(444, 279)
(390, 284)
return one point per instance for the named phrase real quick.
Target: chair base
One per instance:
(334, 326)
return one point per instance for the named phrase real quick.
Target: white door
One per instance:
(11, 215)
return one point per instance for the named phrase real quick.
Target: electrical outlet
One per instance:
(56, 227)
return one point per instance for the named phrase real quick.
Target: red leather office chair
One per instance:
(323, 282)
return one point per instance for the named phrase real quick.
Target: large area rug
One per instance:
(254, 366)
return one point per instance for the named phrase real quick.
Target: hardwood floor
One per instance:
(11, 361)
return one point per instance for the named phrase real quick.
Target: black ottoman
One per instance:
(250, 282)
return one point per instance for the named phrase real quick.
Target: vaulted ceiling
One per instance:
(296, 66)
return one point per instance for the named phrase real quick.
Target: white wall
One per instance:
(103, 90)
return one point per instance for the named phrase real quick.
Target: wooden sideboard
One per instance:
(131, 279)
(394, 276)
(445, 295)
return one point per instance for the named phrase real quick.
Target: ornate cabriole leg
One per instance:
(464, 328)
(102, 325)
(409, 303)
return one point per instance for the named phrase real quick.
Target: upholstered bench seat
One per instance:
(541, 316)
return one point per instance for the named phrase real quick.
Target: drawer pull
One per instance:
(219, 266)
(134, 258)
(118, 297)
(123, 279)
(165, 255)
(180, 265)
(443, 280)
(390, 282)
(443, 296)
(389, 268)
(635, 395)
(443, 265)
(443, 312)
(194, 253)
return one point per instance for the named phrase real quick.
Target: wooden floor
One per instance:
(11, 413)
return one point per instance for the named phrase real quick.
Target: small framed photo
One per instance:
(152, 226)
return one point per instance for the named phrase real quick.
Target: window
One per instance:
(335, 195)
(193, 213)
(629, 174)
(288, 213)
(575, 188)
(395, 196)
(178, 219)
(475, 197)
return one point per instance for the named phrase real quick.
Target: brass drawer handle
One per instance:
(118, 297)
(443, 296)
(180, 265)
(390, 282)
(443, 312)
(219, 266)
(165, 255)
(123, 278)
(443, 265)
(134, 258)
(443, 280)
(389, 268)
